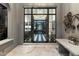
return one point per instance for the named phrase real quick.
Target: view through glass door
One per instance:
(40, 25)
(40, 28)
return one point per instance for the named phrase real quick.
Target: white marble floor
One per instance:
(35, 49)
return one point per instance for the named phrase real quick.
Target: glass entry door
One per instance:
(40, 24)
(40, 29)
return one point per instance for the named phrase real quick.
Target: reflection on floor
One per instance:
(35, 49)
(39, 38)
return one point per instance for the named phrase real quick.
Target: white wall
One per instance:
(59, 21)
(16, 22)
(74, 8)
(12, 23)
(20, 22)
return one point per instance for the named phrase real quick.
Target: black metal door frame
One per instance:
(32, 21)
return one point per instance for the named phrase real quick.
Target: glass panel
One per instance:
(50, 24)
(39, 11)
(40, 31)
(27, 11)
(27, 22)
(51, 18)
(51, 11)
(40, 17)
(52, 21)
(52, 27)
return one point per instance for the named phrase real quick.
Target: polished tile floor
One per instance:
(35, 49)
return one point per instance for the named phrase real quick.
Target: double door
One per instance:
(39, 28)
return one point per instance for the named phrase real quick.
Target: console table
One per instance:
(67, 48)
